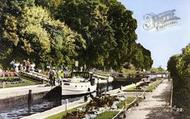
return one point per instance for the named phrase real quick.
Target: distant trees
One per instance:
(97, 33)
(157, 70)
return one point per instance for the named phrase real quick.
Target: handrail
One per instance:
(128, 105)
(35, 75)
(118, 113)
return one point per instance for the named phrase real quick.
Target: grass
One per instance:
(23, 82)
(132, 88)
(126, 102)
(153, 85)
(8, 78)
(107, 115)
(61, 114)
(148, 88)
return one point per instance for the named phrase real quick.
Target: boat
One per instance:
(103, 79)
(80, 83)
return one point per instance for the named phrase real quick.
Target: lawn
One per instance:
(148, 88)
(126, 102)
(61, 114)
(23, 82)
(133, 87)
(153, 85)
(107, 115)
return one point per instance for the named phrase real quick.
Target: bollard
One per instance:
(66, 105)
(3, 84)
(30, 99)
(137, 104)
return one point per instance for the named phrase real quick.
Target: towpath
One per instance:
(19, 91)
(155, 106)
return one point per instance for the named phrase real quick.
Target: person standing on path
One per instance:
(52, 75)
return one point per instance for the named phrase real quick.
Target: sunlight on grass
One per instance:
(107, 115)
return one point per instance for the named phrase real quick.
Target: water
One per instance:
(43, 105)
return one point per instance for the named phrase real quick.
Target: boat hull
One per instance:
(77, 89)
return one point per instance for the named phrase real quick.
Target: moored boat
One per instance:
(79, 84)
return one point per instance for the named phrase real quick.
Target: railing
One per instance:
(34, 75)
(119, 114)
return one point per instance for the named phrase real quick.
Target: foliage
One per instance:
(157, 69)
(99, 34)
(101, 102)
(129, 71)
(32, 33)
(75, 114)
(179, 67)
(109, 30)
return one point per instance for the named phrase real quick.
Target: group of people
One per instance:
(25, 65)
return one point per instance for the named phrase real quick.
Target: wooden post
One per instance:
(3, 84)
(66, 105)
(107, 87)
(29, 100)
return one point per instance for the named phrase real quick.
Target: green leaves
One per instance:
(97, 33)
(36, 35)
(107, 27)
(179, 65)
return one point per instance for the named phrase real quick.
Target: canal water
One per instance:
(43, 105)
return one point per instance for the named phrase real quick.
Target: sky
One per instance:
(168, 41)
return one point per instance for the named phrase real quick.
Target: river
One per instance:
(43, 105)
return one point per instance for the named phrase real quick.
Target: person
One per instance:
(24, 65)
(28, 65)
(60, 75)
(52, 75)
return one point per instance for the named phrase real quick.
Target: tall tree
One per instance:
(89, 18)
(32, 33)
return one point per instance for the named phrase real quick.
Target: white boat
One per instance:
(80, 84)
(103, 79)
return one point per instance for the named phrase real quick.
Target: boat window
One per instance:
(75, 86)
(66, 84)
(85, 75)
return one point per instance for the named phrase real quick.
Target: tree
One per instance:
(33, 33)
(179, 68)
(107, 27)
(89, 18)
(98, 33)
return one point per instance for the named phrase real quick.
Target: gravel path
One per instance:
(155, 106)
